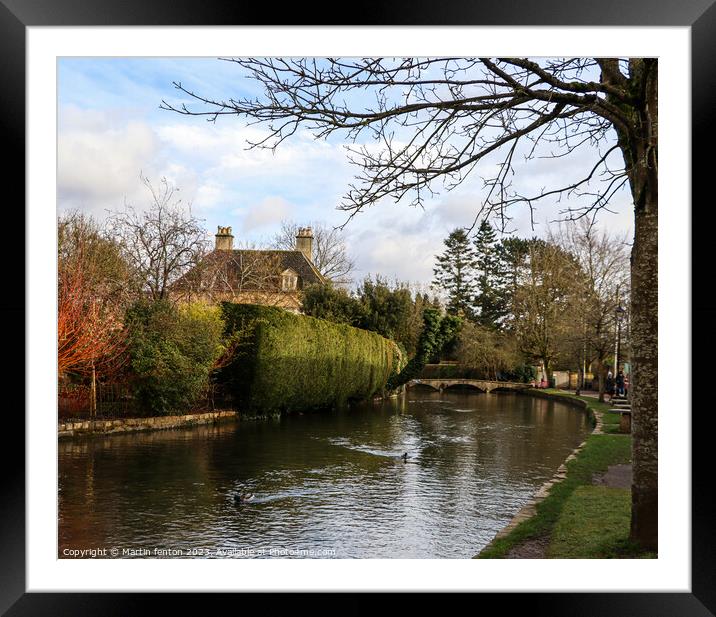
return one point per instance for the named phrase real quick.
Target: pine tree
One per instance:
(489, 305)
(455, 273)
(512, 258)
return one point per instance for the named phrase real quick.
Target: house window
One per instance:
(289, 280)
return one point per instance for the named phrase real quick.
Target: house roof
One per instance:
(234, 261)
(295, 260)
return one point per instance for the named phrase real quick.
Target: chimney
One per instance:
(224, 239)
(304, 242)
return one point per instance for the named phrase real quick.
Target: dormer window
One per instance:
(289, 280)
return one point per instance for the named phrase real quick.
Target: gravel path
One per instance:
(534, 548)
(617, 476)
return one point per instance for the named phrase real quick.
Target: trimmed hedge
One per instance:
(289, 362)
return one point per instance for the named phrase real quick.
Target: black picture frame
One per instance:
(700, 15)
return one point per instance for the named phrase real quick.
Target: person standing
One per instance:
(610, 386)
(620, 383)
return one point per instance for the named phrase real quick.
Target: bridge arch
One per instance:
(479, 385)
(464, 386)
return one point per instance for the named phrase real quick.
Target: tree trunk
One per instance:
(644, 325)
(93, 394)
(644, 385)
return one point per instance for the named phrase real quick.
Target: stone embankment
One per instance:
(128, 425)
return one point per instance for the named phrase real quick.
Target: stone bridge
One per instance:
(478, 384)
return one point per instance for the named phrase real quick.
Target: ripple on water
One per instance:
(327, 481)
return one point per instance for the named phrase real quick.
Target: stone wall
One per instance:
(128, 425)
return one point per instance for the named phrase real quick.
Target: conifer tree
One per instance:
(455, 273)
(512, 260)
(489, 305)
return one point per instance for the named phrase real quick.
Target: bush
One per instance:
(332, 304)
(289, 362)
(523, 373)
(491, 354)
(437, 332)
(385, 309)
(172, 351)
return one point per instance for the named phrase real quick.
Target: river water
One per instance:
(328, 485)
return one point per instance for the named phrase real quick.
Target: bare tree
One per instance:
(330, 255)
(485, 350)
(543, 302)
(436, 119)
(162, 242)
(106, 271)
(92, 279)
(604, 267)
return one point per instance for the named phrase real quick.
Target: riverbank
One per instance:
(130, 425)
(585, 510)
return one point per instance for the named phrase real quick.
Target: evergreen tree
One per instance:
(385, 308)
(455, 273)
(489, 304)
(512, 263)
(332, 304)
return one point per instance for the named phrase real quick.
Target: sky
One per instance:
(111, 130)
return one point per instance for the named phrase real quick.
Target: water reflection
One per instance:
(332, 483)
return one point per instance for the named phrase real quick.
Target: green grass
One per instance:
(571, 498)
(593, 520)
(594, 524)
(598, 454)
(610, 422)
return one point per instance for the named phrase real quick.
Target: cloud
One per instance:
(98, 163)
(102, 151)
(209, 194)
(268, 212)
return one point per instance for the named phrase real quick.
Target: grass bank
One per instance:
(594, 524)
(579, 519)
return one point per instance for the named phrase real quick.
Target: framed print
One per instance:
(337, 308)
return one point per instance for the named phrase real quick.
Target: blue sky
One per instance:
(110, 129)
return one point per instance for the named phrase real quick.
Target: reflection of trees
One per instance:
(123, 486)
(172, 486)
(501, 452)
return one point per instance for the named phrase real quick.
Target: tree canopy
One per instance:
(430, 122)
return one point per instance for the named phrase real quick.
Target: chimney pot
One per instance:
(224, 239)
(304, 242)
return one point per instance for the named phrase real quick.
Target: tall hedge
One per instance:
(289, 362)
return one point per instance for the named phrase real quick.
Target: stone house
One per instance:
(272, 276)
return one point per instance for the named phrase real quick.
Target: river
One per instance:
(326, 485)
